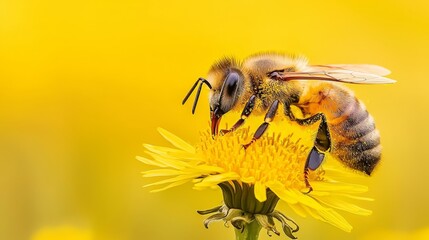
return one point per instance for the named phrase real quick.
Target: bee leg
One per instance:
(323, 137)
(313, 161)
(246, 113)
(322, 144)
(263, 127)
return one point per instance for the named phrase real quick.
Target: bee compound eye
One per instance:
(231, 83)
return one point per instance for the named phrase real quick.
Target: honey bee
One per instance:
(262, 82)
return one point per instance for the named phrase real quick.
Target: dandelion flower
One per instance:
(253, 180)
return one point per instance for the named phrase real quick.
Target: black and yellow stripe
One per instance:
(356, 139)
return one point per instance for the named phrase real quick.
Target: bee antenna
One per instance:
(202, 80)
(190, 92)
(196, 97)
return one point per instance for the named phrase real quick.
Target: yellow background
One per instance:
(84, 83)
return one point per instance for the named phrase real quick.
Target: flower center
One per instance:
(272, 158)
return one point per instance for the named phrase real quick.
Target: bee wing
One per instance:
(339, 75)
(364, 68)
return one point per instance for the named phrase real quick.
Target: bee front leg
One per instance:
(245, 114)
(263, 127)
(322, 143)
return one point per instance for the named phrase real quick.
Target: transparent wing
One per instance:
(337, 75)
(364, 68)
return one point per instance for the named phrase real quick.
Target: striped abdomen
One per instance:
(356, 141)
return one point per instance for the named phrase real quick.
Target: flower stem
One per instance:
(250, 232)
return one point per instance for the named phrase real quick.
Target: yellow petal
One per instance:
(161, 172)
(336, 219)
(174, 179)
(312, 212)
(329, 216)
(307, 200)
(354, 197)
(174, 163)
(209, 169)
(150, 162)
(216, 179)
(317, 193)
(283, 193)
(160, 150)
(260, 192)
(339, 187)
(176, 141)
(171, 152)
(174, 184)
(345, 206)
(248, 179)
(298, 209)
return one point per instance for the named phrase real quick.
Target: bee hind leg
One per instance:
(322, 144)
(245, 114)
(314, 160)
(263, 127)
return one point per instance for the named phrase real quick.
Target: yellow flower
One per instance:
(253, 180)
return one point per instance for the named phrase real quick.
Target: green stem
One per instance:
(251, 231)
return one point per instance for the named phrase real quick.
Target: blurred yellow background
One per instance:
(84, 83)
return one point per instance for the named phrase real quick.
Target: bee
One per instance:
(262, 82)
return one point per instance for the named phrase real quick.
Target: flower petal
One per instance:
(345, 206)
(150, 162)
(174, 179)
(354, 197)
(260, 192)
(307, 200)
(208, 169)
(171, 152)
(161, 150)
(297, 208)
(282, 192)
(339, 187)
(174, 184)
(176, 141)
(334, 218)
(161, 173)
(330, 216)
(170, 162)
(216, 179)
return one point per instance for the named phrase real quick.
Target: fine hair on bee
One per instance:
(263, 82)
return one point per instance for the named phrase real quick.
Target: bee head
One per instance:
(226, 82)
(223, 99)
